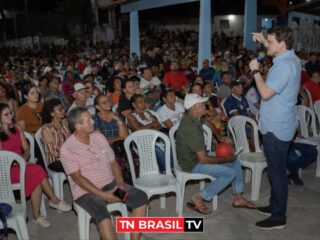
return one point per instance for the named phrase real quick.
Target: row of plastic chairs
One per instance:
(150, 180)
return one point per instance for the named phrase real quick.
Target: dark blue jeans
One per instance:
(276, 152)
(300, 156)
(161, 159)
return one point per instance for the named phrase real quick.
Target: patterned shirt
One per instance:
(93, 161)
(108, 129)
(58, 137)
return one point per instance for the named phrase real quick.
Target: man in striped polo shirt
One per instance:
(95, 174)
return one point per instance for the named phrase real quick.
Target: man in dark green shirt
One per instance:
(192, 157)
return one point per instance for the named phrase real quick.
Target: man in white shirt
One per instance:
(81, 99)
(148, 82)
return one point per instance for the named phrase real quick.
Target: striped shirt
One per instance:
(93, 160)
(58, 137)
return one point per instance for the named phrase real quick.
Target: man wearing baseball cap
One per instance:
(81, 99)
(236, 104)
(192, 157)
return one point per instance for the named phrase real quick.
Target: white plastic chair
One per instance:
(16, 219)
(57, 178)
(184, 177)
(150, 180)
(305, 113)
(30, 139)
(115, 108)
(316, 108)
(84, 217)
(223, 107)
(195, 69)
(255, 161)
(309, 97)
(32, 159)
(207, 133)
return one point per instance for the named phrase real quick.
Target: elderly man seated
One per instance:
(192, 157)
(95, 174)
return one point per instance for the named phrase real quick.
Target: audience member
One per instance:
(54, 132)
(192, 157)
(171, 112)
(95, 175)
(13, 139)
(81, 99)
(29, 114)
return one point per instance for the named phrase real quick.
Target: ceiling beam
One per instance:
(149, 4)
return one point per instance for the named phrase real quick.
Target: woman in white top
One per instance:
(140, 118)
(171, 112)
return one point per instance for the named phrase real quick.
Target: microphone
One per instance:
(260, 56)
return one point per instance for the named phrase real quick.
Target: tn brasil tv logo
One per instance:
(159, 224)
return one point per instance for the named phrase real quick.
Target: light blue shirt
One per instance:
(279, 114)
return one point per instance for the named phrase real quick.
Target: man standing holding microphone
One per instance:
(278, 117)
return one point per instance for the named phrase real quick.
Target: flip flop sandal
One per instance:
(243, 206)
(198, 209)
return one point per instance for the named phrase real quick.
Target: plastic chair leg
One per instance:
(318, 164)
(162, 201)
(202, 184)
(247, 176)
(256, 182)
(215, 202)
(22, 232)
(83, 224)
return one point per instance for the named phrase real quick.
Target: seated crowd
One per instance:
(87, 105)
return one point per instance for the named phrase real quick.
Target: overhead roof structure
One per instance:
(311, 7)
(204, 48)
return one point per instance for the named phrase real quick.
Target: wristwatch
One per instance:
(253, 72)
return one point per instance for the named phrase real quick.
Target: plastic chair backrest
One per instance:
(41, 147)
(237, 127)
(172, 133)
(30, 139)
(316, 108)
(222, 105)
(145, 142)
(6, 187)
(207, 137)
(304, 114)
(115, 108)
(309, 97)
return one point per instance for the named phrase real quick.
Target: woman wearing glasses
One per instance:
(54, 132)
(13, 139)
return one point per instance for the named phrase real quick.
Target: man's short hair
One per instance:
(74, 117)
(283, 33)
(124, 83)
(225, 73)
(144, 69)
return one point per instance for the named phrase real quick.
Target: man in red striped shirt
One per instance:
(95, 174)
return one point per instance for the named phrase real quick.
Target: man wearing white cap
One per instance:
(192, 157)
(81, 99)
